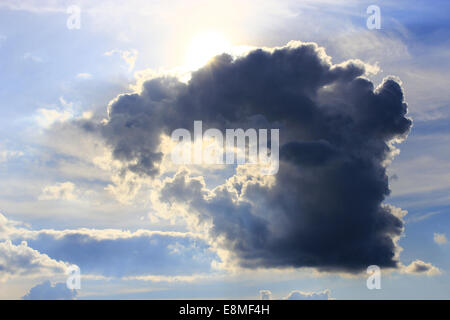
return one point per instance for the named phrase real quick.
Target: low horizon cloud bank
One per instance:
(108, 252)
(49, 291)
(298, 295)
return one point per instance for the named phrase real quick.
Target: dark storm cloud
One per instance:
(325, 209)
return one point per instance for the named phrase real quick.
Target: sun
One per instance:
(205, 46)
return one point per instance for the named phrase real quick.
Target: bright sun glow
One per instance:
(205, 46)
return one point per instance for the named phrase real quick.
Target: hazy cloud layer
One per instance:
(120, 254)
(325, 208)
(107, 252)
(49, 291)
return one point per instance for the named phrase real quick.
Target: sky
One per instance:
(90, 92)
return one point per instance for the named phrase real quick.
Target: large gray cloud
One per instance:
(325, 209)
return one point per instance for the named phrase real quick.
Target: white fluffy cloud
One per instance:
(7, 227)
(23, 261)
(418, 267)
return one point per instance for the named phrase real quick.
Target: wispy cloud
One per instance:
(440, 238)
(129, 56)
(84, 75)
(32, 57)
(59, 191)
(50, 291)
(421, 217)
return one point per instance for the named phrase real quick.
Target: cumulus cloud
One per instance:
(338, 132)
(47, 117)
(440, 238)
(49, 291)
(419, 267)
(7, 227)
(299, 295)
(22, 261)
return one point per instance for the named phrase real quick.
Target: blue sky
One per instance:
(63, 192)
